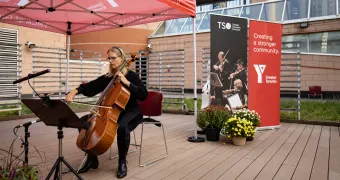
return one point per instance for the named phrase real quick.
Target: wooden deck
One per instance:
(295, 151)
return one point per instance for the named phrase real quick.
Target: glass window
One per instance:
(162, 27)
(203, 8)
(206, 20)
(326, 42)
(317, 45)
(296, 9)
(333, 46)
(322, 8)
(219, 5)
(232, 12)
(188, 25)
(176, 26)
(272, 11)
(251, 12)
(234, 3)
(303, 39)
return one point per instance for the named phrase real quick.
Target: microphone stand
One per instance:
(25, 144)
(47, 101)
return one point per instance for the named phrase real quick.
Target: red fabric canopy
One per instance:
(81, 16)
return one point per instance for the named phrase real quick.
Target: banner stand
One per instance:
(268, 128)
(246, 57)
(264, 68)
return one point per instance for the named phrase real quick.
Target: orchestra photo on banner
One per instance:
(228, 81)
(229, 62)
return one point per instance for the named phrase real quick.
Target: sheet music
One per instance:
(235, 101)
(215, 80)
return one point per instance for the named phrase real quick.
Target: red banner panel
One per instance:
(264, 71)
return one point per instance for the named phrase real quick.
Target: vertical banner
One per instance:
(228, 60)
(264, 71)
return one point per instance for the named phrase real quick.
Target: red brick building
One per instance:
(315, 23)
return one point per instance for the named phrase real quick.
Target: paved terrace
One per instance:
(295, 151)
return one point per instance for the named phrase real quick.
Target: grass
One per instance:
(327, 110)
(26, 111)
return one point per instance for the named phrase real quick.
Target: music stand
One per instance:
(56, 113)
(215, 80)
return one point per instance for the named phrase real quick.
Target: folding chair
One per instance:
(152, 106)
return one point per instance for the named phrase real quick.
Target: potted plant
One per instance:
(212, 119)
(12, 166)
(251, 116)
(238, 130)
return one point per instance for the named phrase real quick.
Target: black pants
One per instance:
(127, 121)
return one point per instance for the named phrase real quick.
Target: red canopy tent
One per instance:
(79, 16)
(82, 16)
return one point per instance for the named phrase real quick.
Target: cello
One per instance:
(98, 138)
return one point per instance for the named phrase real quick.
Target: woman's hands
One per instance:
(69, 97)
(121, 78)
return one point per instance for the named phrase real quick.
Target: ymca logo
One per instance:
(259, 70)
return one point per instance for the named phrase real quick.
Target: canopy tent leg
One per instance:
(195, 138)
(67, 61)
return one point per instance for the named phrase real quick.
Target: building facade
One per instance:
(38, 37)
(314, 23)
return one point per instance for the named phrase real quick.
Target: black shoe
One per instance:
(91, 162)
(122, 169)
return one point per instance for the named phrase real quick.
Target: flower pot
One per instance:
(239, 141)
(201, 132)
(250, 138)
(212, 134)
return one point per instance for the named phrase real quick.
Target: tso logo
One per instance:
(229, 26)
(259, 70)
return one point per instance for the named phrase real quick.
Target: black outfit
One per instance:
(128, 120)
(217, 91)
(227, 70)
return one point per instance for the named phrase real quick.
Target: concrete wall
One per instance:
(131, 39)
(40, 38)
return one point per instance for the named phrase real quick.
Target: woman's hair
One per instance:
(238, 82)
(120, 53)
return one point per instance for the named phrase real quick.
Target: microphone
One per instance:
(28, 123)
(30, 76)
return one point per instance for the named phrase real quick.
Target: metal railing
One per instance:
(205, 65)
(10, 70)
(141, 66)
(165, 71)
(291, 74)
(83, 67)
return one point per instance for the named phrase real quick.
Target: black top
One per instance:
(243, 77)
(137, 89)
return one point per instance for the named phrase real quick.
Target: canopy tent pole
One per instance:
(195, 138)
(67, 60)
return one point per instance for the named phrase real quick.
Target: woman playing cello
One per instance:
(129, 119)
